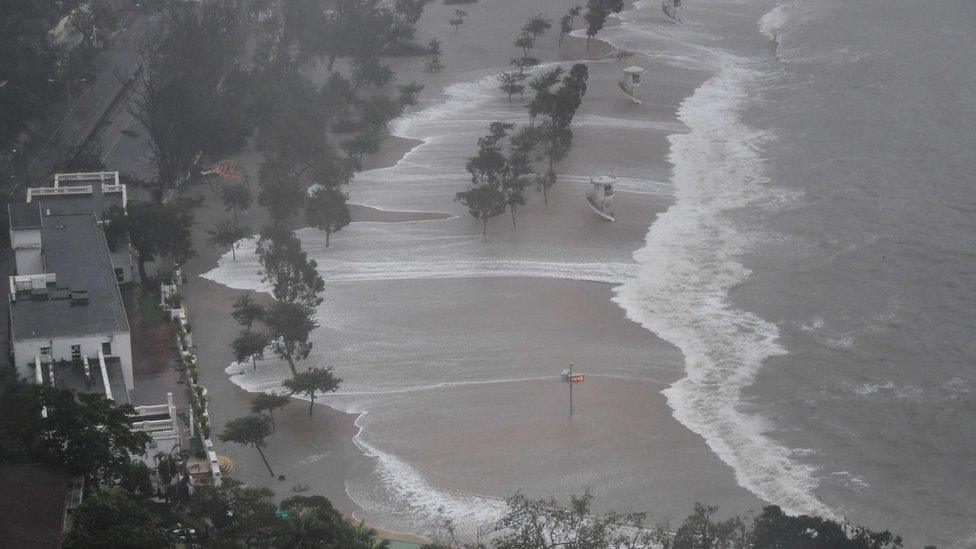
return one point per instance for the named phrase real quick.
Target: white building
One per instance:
(67, 317)
(92, 192)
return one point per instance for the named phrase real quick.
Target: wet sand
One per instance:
(518, 327)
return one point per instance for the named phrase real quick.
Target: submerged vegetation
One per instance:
(505, 162)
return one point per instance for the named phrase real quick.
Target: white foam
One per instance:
(775, 20)
(687, 268)
(408, 496)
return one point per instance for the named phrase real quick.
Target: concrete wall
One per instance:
(122, 260)
(26, 350)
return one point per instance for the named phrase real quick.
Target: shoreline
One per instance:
(334, 431)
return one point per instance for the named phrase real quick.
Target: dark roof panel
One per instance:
(75, 250)
(24, 215)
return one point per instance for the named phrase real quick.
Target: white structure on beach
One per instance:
(600, 195)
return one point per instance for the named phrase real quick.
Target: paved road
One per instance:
(116, 67)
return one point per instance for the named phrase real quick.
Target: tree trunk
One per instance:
(274, 428)
(142, 271)
(545, 194)
(514, 223)
(235, 214)
(291, 364)
(328, 235)
(233, 251)
(311, 402)
(266, 464)
(484, 227)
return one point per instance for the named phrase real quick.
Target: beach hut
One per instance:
(630, 81)
(600, 195)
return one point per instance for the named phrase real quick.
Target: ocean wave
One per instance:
(688, 266)
(406, 494)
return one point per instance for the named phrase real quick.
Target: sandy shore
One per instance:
(513, 328)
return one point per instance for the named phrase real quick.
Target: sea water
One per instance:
(807, 246)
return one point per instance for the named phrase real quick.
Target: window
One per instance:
(119, 274)
(46, 352)
(76, 353)
(107, 348)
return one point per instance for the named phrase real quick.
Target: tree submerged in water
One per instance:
(498, 174)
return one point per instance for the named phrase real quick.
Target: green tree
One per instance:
(522, 63)
(281, 191)
(568, 21)
(511, 83)
(536, 26)
(526, 42)
(240, 515)
(249, 430)
(85, 433)
(293, 277)
(156, 230)
(290, 324)
(172, 473)
(228, 233)
(554, 136)
(596, 15)
(489, 168)
(458, 19)
(236, 197)
(483, 202)
(182, 97)
(361, 145)
(109, 518)
(406, 14)
(543, 524)
(312, 381)
(369, 71)
(432, 63)
(268, 402)
(27, 61)
(247, 311)
(328, 210)
(249, 346)
(774, 528)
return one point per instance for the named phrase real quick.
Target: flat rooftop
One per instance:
(75, 250)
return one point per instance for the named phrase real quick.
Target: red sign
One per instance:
(578, 378)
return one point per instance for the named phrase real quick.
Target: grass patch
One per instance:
(149, 308)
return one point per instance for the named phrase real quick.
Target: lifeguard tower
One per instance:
(630, 81)
(600, 195)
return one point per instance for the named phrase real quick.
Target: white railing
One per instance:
(45, 191)
(86, 176)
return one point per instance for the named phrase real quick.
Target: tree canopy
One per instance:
(85, 433)
(109, 518)
(312, 381)
(249, 430)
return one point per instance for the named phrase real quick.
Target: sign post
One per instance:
(571, 379)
